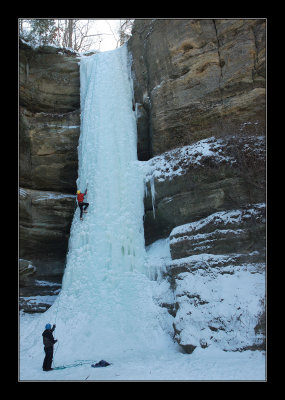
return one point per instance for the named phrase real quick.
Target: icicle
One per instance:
(152, 188)
(105, 282)
(145, 188)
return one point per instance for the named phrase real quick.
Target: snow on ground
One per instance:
(40, 299)
(172, 163)
(176, 162)
(209, 364)
(204, 364)
(46, 283)
(108, 307)
(225, 217)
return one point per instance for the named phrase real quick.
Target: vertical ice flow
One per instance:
(112, 231)
(105, 306)
(152, 189)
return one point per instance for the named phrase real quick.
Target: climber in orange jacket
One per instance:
(81, 203)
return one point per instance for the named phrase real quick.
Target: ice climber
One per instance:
(48, 341)
(81, 203)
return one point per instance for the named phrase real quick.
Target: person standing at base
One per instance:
(48, 341)
(81, 203)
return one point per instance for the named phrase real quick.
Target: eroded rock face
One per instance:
(199, 93)
(197, 180)
(217, 271)
(45, 220)
(209, 198)
(38, 294)
(216, 292)
(220, 301)
(196, 78)
(26, 269)
(199, 89)
(49, 79)
(48, 150)
(239, 231)
(49, 128)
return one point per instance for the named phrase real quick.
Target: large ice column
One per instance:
(111, 236)
(105, 306)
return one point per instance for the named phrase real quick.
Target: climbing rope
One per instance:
(77, 363)
(57, 307)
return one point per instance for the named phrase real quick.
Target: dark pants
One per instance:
(48, 358)
(81, 207)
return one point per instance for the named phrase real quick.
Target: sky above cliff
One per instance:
(107, 27)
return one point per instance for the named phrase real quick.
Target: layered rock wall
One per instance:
(196, 78)
(49, 127)
(199, 92)
(199, 96)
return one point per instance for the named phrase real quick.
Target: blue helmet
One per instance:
(48, 326)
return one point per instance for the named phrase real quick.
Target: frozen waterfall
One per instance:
(105, 308)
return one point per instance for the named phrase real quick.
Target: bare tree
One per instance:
(77, 34)
(115, 35)
(21, 26)
(125, 30)
(71, 33)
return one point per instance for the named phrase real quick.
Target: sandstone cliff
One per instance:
(199, 94)
(49, 126)
(196, 78)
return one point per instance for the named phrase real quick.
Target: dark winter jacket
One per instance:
(48, 339)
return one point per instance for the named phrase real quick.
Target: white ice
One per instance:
(106, 308)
